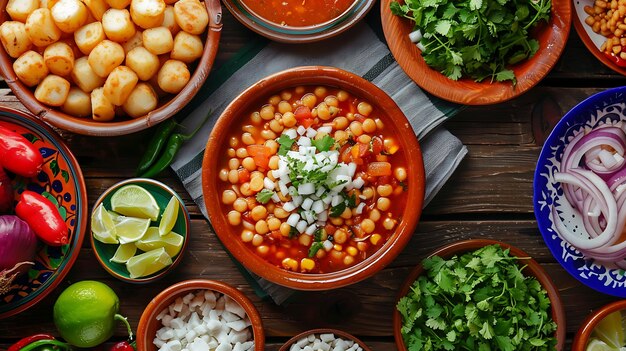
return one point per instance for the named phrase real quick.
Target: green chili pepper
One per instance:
(159, 139)
(41, 344)
(172, 147)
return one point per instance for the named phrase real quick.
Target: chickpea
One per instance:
(267, 112)
(234, 218)
(346, 214)
(304, 240)
(340, 123)
(249, 128)
(245, 189)
(228, 197)
(362, 246)
(255, 117)
(285, 229)
(368, 225)
(251, 202)
(337, 247)
(280, 213)
(256, 183)
(342, 95)
(289, 119)
(379, 124)
(258, 213)
(247, 138)
(336, 220)
(257, 240)
(356, 128)
(368, 192)
(233, 142)
(364, 139)
(400, 174)
(348, 260)
(323, 111)
(284, 106)
(364, 108)
(340, 236)
(231, 152)
(340, 136)
(274, 100)
(352, 251)
(331, 100)
(233, 176)
(223, 175)
(275, 126)
(369, 126)
(398, 190)
(375, 239)
(261, 227)
(268, 135)
(320, 254)
(350, 116)
(273, 145)
(242, 152)
(389, 223)
(285, 95)
(273, 163)
(248, 163)
(263, 250)
(320, 92)
(234, 163)
(240, 205)
(290, 263)
(299, 90)
(375, 215)
(383, 204)
(384, 190)
(246, 236)
(309, 100)
(273, 223)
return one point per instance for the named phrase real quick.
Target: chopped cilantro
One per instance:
(480, 300)
(315, 247)
(351, 199)
(293, 232)
(336, 211)
(285, 144)
(264, 196)
(324, 143)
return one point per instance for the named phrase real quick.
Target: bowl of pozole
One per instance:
(323, 180)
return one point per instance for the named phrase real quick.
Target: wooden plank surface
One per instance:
(490, 196)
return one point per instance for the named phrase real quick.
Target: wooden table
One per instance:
(490, 196)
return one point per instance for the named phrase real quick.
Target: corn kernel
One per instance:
(290, 263)
(375, 238)
(337, 247)
(307, 264)
(352, 251)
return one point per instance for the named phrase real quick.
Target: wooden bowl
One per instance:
(337, 332)
(162, 194)
(60, 180)
(593, 41)
(552, 38)
(586, 328)
(148, 324)
(287, 34)
(532, 269)
(314, 75)
(87, 126)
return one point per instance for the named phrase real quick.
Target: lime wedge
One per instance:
(169, 217)
(610, 330)
(124, 252)
(599, 345)
(135, 201)
(130, 229)
(171, 242)
(102, 226)
(148, 263)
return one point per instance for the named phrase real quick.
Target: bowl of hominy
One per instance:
(324, 339)
(324, 181)
(111, 67)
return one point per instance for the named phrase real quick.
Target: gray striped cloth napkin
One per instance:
(358, 50)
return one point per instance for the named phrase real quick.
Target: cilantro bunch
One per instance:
(475, 38)
(479, 301)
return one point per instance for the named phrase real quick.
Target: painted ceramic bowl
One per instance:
(61, 181)
(551, 36)
(167, 107)
(338, 334)
(162, 194)
(277, 30)
(408, 203)
(593, 41)
(532, 269)
(149, 324)
(583, 336)
(604, 108)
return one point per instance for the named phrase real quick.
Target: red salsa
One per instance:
(298, 13)
(314, 181)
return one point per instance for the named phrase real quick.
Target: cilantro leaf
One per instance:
(315, 247)
(324, 143)
(285, 144)
(336, 211)
(264, 196)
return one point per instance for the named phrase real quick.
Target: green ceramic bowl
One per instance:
(162, 194)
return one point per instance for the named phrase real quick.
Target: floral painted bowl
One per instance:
(607, 107)
(61, 181)
(162, 194)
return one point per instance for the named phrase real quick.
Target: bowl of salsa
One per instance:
(319, 182)
(299, 21)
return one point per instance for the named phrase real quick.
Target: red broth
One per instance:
(355, 133)
(298, 13)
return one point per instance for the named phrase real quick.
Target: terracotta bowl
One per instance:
(162, 194)
(357, 86)
(168, 106)
(552, 38)
(593, 41)
(61, 181)
(287, 34)
(586, 328)
(338, 333)
(148, 324)
(532, 269)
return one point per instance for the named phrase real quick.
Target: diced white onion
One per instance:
(359, 208)
(293, 219)
(415, 36)
(269, 184)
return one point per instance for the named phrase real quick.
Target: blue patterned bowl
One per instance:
(61, 181)
(606, 107)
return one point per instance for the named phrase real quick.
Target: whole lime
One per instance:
(85, 313)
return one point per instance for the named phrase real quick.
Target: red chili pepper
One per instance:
(29, 340)
(122, 346)
(43, 217)
(18, 155)
(616, 59)
(6, 192)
